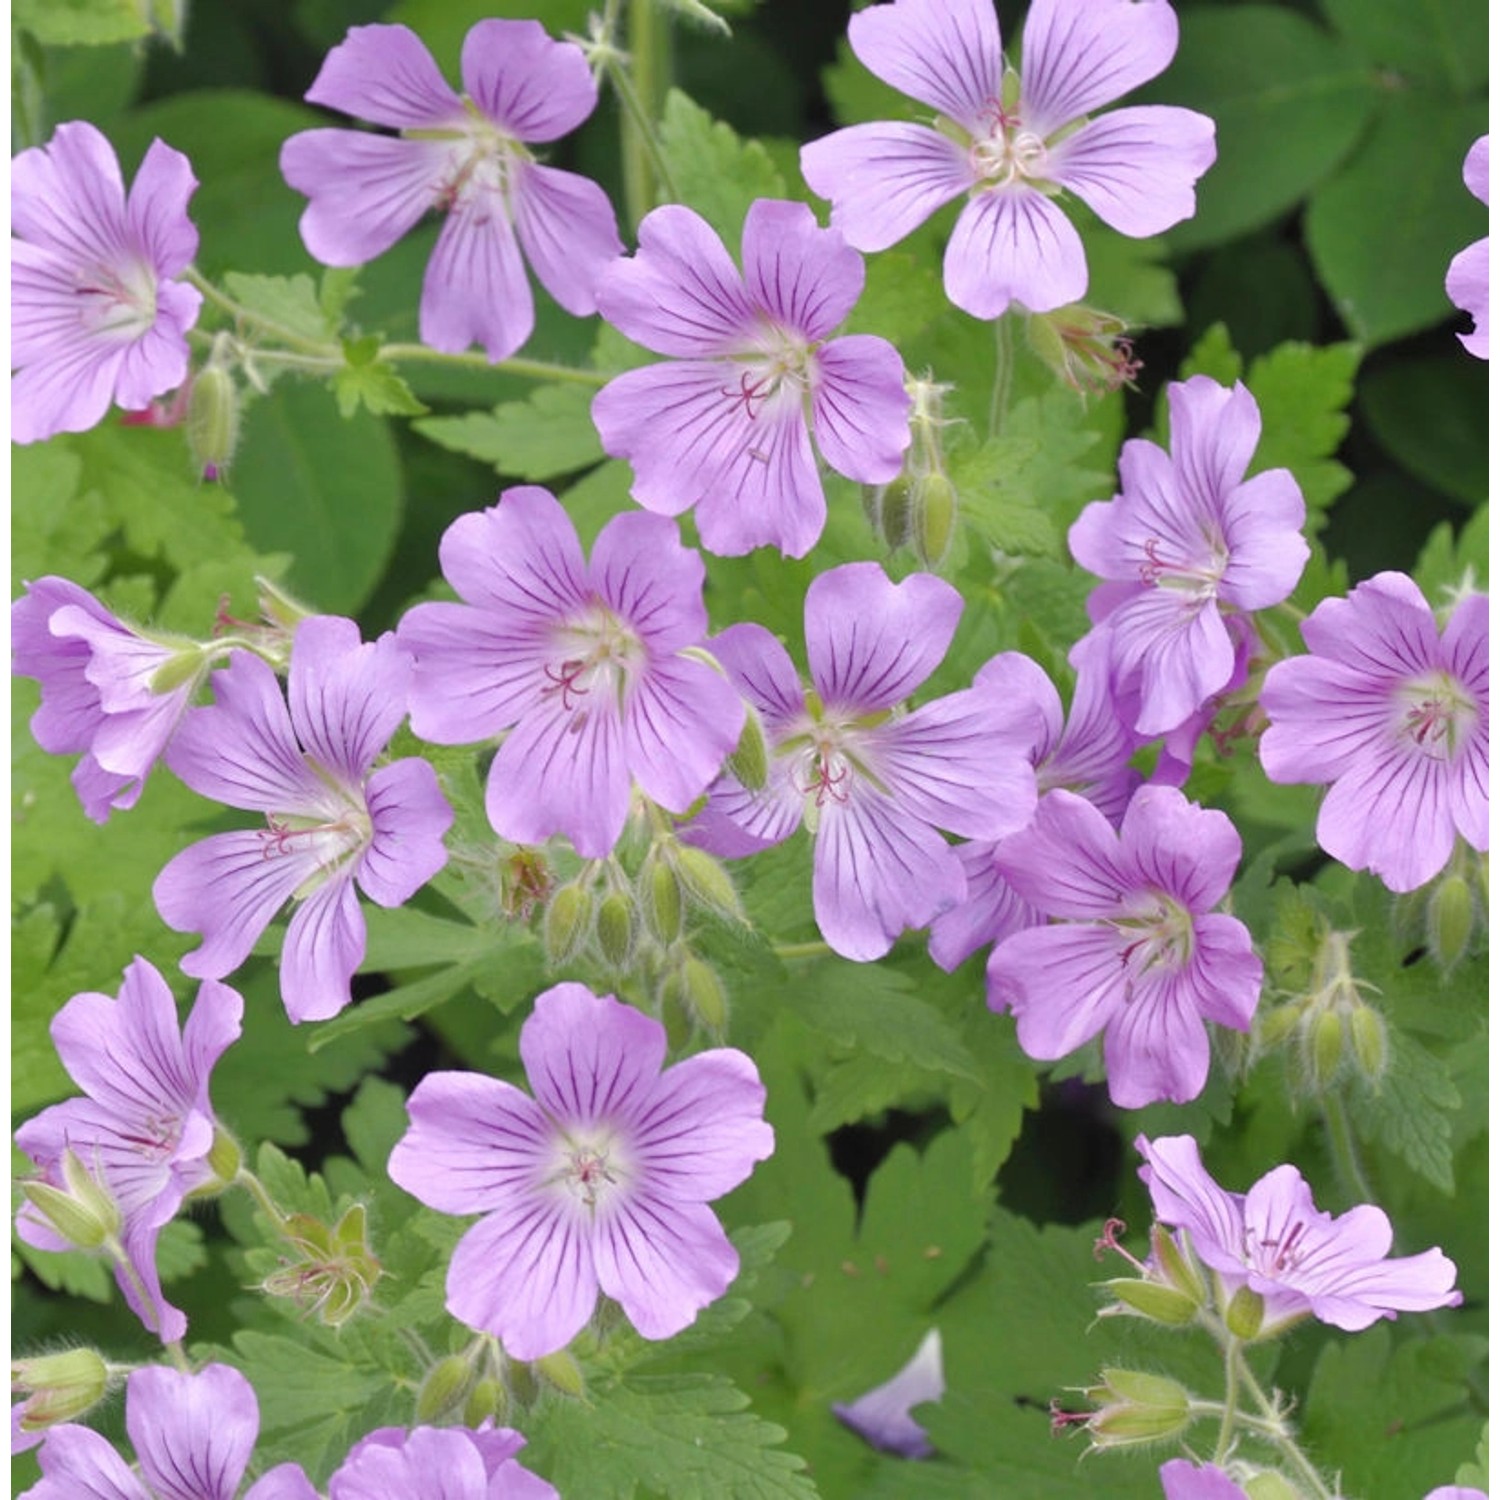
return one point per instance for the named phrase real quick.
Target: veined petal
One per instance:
(860, 407)
(1174, 846)
(70, 391)
(77, 1464)
(1263, 518)
(408, 817)
(1184, 1196)
(885, 179)
(681, 719)
(805, 277)
(156, 217)
(1356, 1296)
(193, 1433)
(1384, 628)
(1067, 861)
(566, 227)
(325, 944)
(1214, 430)
(1174, 647)
(534, 87)
(286, 1481)
(475, 290)
(1064, 983)
(640, 568)
(760, 668)
(346, 699)
(1156, 1046)
(1226, 975)
(1390, 814)
(385, 74)
(737, 821)
(1324, 716)
(1014, 245)
(69, 197)
(990, 911)
(142, 1292)
(157, 361)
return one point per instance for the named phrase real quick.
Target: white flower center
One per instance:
(591, 1166)
(1158, 935)
(1434, 715)
(119, 301)
(1010, 152)
(595, 656)
(1198, 577)
(334, 835)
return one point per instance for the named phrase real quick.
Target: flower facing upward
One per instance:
(1013, 144)
(1468, 281)
(1137, 952)
(1275, 1241)
(96, 316)
(586, 660)
(332, 818)
(600, 1182)
(1188, 538)
(466, 157)
(725, 425)
(1396, 716)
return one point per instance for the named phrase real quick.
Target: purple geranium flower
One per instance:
(1184, 1480)
(145, 1126)
(883, 1418)
(601, 1182)
(1468, 280)
(1011, 144)
(466, 156)
(333, 820)
(1275, 1241)
(1396, 716)
(104, 691)
(1089, 756)
(874, 785)
(96, 316)
(1136, 952)
(1188, 537)
(193, 1435)
(586, 660)
(437, 1463)
(725, 426)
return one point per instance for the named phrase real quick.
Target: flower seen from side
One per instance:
(467, 157)
(97, 316)
(1298, 1260)
(585, 663)
(599, 1180)
(724, 425)
(437, 1463)
(1468, 280)
(1136, 950)
(882, 1417)
(1011, 143)
(333, 819)
(1395, 714)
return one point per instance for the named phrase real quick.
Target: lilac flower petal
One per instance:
(990, 911)
(1467, 284)
(535, 88)
(1136, 168)
(1063, 982)
(1013, 245)
(1184, 1196)
(1179, 651)
(71, 389)
(474, 1144)
(69, 196)
(1067, 861)
(702, 1132)
(1360, 1295)
(566, 226)
(663, 1261)
(325, 944)
(944, 52)
(158, 1315)
(157, 361)
(886, 179)
(70, 712)
(285, 1482)
(386, 74)
(1386, 617)
(883, 1418)
(346, 699)
(805, 277)
(760, 668)
(156, 215)
(640, 568)
(408, 816)
(430, 1463)
(738, 822)
(1079, 54)
(1324, 717)
(102, 792)
(1390, 814)
(527, 1277)
(679, 725)
(871, 642)
(1184, 1480)
(1215, 430)
(193, 1434)
(1091, 758)
(475, 290)
(1226, 974)
(1171, 845)
(860, 407)
(1262, 519)
(680, 294)
(1155, 1045)
(77, 1464)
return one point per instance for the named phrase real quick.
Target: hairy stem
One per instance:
(1345, 1148)
(252, 1184)
(1231, 1399)
(1004, 362)
(530, 369)
(641, 90)
(1275, 1432)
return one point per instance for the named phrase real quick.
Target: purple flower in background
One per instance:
(1456, 1492)
(599, 1183)
(883, 1418)
(102, 689)
(874, 785)
(1089, 757)
(1396, 716)
(586, 660)
(145, 1126)
(725, 426)
(332, 819)
(193, 1435)
(1136, 952)
(96, 316)
(1468, 280)
(1274, 1240)
(1183, 1480)
(1187, 538)
(1011, 144)
(465, 156)
(437, 1463)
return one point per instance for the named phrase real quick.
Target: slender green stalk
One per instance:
(178, 1356)
(1277, 1435)
(801, 950)
(531, 369)
(252, 1185)
(1004, 363)
(1231, 1399)
(1345, 1148)
(641, 90)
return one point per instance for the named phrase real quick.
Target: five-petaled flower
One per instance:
(432, 1463)
(96, 314)
(724, 426)
(1012, 144)
(601, 1182)
(1397, 717)
(466, 156)
(1275, 1241)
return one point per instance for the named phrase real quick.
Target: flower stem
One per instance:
(801, 950)
(1004, 362)
(1276, 1434)
(242, 314)
(1345, 1148)
(1231, 1399)
(640, 90)
(531, 369)
(252, 1184)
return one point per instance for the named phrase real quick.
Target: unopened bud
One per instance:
(1085, 348)
(1246, 1314)
(1269, 1485)
(213, 419)
(1450, 920)
(1153, 1300)
(567, 922)
(58, 1387)
(747, 763)
(561, 1372)
(889, 507)
(615, 929)
(82, 1211)
(1276, 1026)
(663, 901)
(1367, 1034)
(1137, 1408)
(706, 880)
(489, 1398)
(934, 518)
(675, 1014)
(705, 997)
(1324, 1047)
(444, 1389)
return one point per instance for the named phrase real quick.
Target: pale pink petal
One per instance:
(640, 568)
(385, 74)
(860, 407)
(1064, 983)
(346, 699)
(760, 668)
(325, 944)
(566, 226)
(944, 52)
(475, 290)
(805, 277)
(535, 88)
(681, 719)
(1174, 846)
(1390, 814)
(408, 817)
(1013, 245)
(1155, 1044)
(156, 212)
(77, 1464)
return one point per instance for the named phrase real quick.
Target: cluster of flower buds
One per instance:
(919, 507)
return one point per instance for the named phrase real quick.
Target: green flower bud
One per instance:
(934, 518)
(1450, 920)
(1269, 1485)
(1246, 1314)
(748, 762)
(705, 997)
(561, 1372)
(82, 1211)
(1153, 1300)
(444, 1389)
(705, 879)
(1324, 1047)
(567, 922)
(489, 1398)
(889, 508)
(676, 1015)
(58, 1387)
(663, 901)
(1367, 1033)
(615, 929)
(1137, 1408)
(213, 420)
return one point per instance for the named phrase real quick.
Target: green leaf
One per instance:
(990, 1113)
(695, 10)
(289, 303)
(1443, 43)
(1213, 355)
(1303, 393)
(1410, 1112)
(405, 1002)
(1431, 413)
(70, 23)
(548, 434)
(715, 172)
(857, 95)
(1446, 565)
(1382, 232)
(54, 529)
(378, 388)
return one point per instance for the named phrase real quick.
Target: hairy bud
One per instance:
(444, 1389)
(567, 922)
(561, 1372)
(614, 928)
(1450, 920)
(82, 1211)
(1135, 1407)
(58, 1387)
(1246, 1314)
(748, 762)
(663, 900)
(213, 420)
(705, 880)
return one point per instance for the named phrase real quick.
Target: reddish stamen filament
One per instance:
(828, 784)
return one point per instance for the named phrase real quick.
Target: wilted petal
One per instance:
(860, 407)
(1013, 245)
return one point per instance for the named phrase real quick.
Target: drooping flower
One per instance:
(1089, 756)
(1276, 1242)
(586, 660)
(333, 819)
(193, 1435)
(465, 156)
(96, 314)
(145, 1126)
(1468, 280)
(1136, 952)
(1396, 716)
(599, 1183)
(883, 1418)
(724, 426)
(1012, 143)
(874, 785)
(438, 1463)
(1188, 539)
